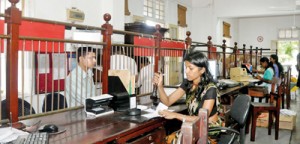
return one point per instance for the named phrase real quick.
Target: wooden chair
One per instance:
(258, 92)
(286, 95)
(284, 87)
(288, 89)
(271, 107)
(196, 132)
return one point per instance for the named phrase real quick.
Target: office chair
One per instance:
(238, 114)
(20, 112)
(54, 101)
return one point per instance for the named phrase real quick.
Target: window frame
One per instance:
(154, 9)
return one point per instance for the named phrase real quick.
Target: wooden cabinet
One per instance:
(155, 137)
(140, 28)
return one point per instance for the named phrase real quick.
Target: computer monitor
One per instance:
(213, 68)
(115, 85)
(120, 101)
(248, 67)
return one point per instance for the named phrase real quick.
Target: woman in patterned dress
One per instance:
(198, 87)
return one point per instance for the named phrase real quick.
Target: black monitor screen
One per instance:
(115, 85)
(248, 67)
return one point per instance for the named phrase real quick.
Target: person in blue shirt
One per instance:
(268, 75)
(278, 69)
(277, 65)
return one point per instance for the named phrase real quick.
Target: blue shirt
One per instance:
(268, 75)
(276, 70)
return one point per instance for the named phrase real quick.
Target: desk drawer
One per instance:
(155, 137)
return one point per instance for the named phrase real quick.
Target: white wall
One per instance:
(204, 17)
(234, 32)
(267, 27)
(94, 10)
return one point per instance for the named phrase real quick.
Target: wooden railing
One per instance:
(13, 20)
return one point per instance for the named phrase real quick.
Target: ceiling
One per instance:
(250, 8)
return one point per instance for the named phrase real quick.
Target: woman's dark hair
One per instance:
(265, 59)
(200, 60)
(280, 67)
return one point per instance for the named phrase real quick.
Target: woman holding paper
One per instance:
(199, 88)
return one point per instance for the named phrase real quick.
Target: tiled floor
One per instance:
(285, 136)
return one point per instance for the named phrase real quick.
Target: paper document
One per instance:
(287, 112)
(9, 134)
(228, 81)
(153, 113)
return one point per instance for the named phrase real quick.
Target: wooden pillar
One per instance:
(209, 46)
(250, 53)
(224, 58)
(261, 52)
(13, 21)
(256, 57)
(276, 51)
(235, 50)
(244, 53)
(188, 41)
(203, 126)
(106, 51)
(127, 12)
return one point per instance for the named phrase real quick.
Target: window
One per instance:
(172, 32)
(154, 9)
(182, 16)
(288, 33)
(226, 30)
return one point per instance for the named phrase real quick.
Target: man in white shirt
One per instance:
(145, 79)
(80, 83)
(120, 61)
(219, 66)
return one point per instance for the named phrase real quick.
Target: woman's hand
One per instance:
(157, 79)
(259, 77)
(167, 114)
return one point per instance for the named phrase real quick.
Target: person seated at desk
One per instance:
(120, 61)
(79, 83)
(144, 82)
(267, 78)
(199, 88)
(277, 68)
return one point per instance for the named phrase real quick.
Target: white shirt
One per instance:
(145, 79)
(123, 62)
(79, 86)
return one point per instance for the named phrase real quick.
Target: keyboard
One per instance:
(33, 138)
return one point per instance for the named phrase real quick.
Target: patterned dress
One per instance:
(194, 101)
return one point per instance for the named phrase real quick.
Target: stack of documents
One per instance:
(9, 134)
(287, 112)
